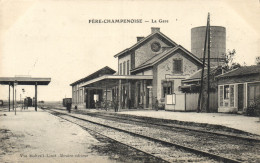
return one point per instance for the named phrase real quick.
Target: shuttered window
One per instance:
(120, 69)
(232, 101)
(177, 66)
(221, 93)
(127, 70)
(124, 68)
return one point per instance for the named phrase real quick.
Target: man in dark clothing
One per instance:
(69, 107)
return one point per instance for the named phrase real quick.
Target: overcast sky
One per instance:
(53, 38)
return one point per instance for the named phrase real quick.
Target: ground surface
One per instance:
(41, 137)
(31, 136)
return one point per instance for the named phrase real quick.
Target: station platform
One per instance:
(236, 121)
(33, 137)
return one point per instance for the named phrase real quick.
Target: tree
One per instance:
(228, 61)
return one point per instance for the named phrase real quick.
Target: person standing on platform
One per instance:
(69, 107)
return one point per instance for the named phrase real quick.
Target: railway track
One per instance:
(169, 126)
(200, 155)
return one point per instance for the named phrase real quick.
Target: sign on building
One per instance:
(170, 99)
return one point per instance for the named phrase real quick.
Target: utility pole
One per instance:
(207, 109)
(9, 98)
(15, 84)
(35, 100)
(202, 71)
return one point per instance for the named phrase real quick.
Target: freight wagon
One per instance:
(65, 101)
(28, 101)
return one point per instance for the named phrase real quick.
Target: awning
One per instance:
(106, 80)
(24, 80)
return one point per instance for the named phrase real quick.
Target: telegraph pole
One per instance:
(207, 109)
(9, 98)
(202, 71)
(15, 84)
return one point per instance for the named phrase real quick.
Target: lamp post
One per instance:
(15, 84)
(23, 107)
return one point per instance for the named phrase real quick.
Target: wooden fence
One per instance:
(189, 102)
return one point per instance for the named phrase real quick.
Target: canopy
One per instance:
(24, 80)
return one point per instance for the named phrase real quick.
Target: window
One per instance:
(124, 68)
(166, 88)
(177, 66)
(232, 100)
(120, 69)
(226, 92)
(221, 92)
(127, 70)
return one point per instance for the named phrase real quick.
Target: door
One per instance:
(240, 97)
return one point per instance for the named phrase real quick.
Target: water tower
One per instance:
(218, 43)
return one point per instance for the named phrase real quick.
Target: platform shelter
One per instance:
(14, 81)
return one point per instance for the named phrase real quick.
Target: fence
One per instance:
(189, 102)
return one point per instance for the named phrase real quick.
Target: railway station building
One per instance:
(147, 71)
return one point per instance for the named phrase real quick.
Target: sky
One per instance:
(53, 38)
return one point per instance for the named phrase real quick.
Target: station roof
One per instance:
(113, 79)
(144, 40)
(152, 61)
(24, 80)
(104, 71)
(242, 71)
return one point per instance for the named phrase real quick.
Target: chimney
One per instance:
(139, 38)
(155, 29)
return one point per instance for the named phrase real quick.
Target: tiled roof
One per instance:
(94, 75)
(245, 70)
(197, 75)
(143, 40)
(164, 54)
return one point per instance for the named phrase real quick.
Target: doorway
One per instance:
(240, 97)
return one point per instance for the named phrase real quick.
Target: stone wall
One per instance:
(165, 67)
(145, 52)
